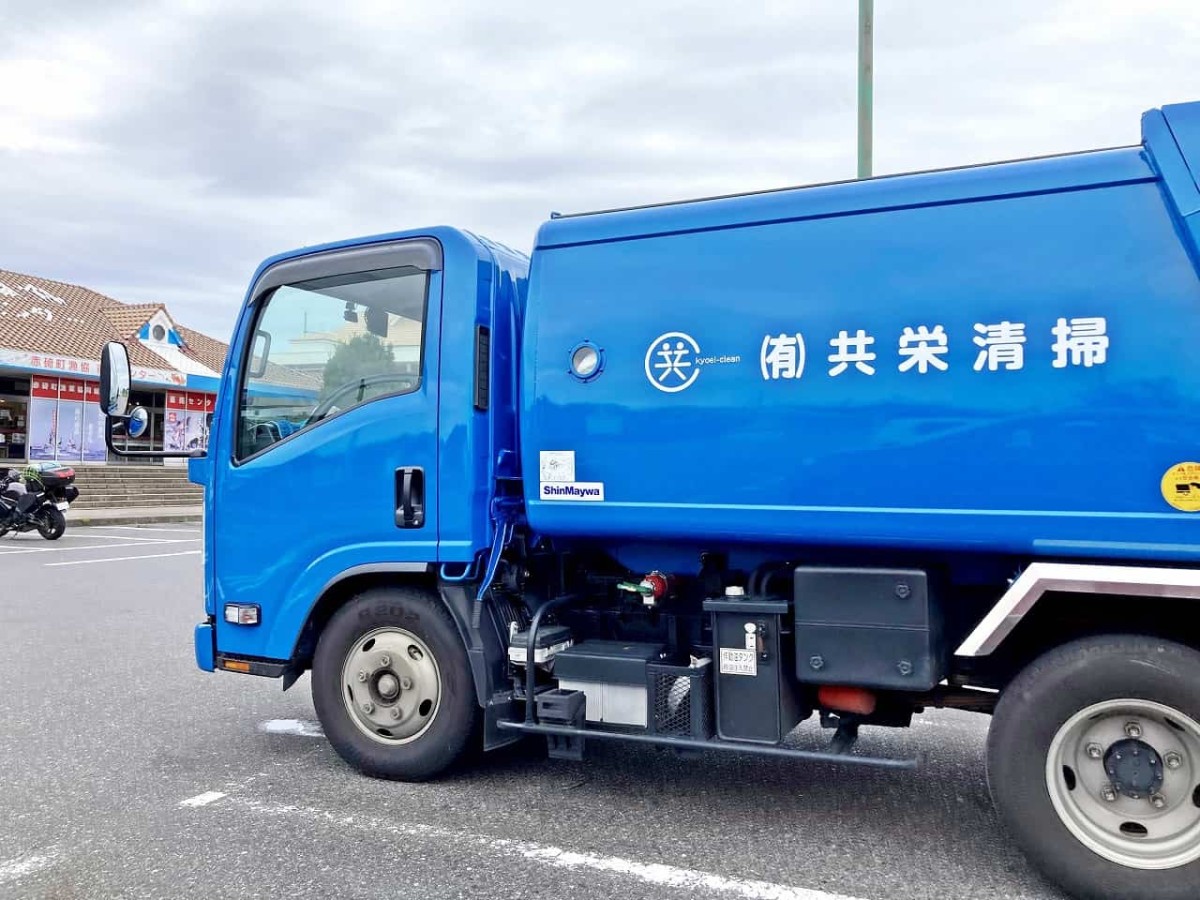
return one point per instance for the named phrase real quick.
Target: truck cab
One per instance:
(368, 408)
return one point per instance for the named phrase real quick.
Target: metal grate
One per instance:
(680, 700)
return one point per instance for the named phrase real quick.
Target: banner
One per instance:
(43, 418)
(175, 424)
(199, 406)
(70, 420)
(94, 449)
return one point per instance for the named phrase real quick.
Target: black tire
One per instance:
(448, 737)
(55, 525)
(1031, 711)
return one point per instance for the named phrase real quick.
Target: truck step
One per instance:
(590, 734)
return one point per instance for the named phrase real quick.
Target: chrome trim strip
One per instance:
(1038, 578)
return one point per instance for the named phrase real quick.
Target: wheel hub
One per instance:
(388, 686)
(1134, 768)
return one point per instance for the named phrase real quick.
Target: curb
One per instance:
(83, 519)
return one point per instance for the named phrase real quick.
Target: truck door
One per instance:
(327, 460)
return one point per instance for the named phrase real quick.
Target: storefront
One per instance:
(51, 335)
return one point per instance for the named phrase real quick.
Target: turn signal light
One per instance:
(235, 665)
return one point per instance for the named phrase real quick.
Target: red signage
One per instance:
(44, 387)
(69, 389)
(176, 400)
(201, 402)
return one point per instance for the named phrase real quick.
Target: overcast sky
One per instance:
(157, 150)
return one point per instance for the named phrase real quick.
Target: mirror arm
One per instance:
(146, 454)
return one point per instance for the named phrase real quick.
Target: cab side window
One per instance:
(324, 346)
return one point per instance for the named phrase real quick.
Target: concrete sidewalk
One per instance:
(133, 515)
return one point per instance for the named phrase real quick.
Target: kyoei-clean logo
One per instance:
(674, 361)
(671, 362)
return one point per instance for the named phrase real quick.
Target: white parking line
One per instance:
(92, 536)
(69, 547)
(203, 799)
(195, 530)
(301, 727)
(88, 562)
(15, 869)
(657, 874)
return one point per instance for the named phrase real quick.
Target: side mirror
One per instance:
(138, 422)
(377, 321)
(114, 379)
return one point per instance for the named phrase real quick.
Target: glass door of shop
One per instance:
(14, 424)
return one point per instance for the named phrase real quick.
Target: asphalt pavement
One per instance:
(126, 772)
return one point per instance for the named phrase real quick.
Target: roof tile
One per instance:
(52, 317)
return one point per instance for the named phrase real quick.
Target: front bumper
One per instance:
(206, 646)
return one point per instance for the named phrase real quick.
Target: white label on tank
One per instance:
(574, 490)
(738, 662)
(558, 465)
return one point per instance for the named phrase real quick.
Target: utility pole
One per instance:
(866, 78)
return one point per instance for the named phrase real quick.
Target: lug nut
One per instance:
(368, 707)
(1108, 794)
(396, 712)
(362, 676)
(1173, 760)
(1133, 730)
(1095, 751)
(1158, 801)
(385, 660)
(406, 683)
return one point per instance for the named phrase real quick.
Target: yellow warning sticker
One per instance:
(1181, 486)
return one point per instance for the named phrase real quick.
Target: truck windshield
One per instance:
(324, 346)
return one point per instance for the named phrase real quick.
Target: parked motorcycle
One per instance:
(37, 498)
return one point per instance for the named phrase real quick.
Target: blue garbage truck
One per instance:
(692, 474)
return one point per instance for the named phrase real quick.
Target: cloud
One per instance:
(159, 150)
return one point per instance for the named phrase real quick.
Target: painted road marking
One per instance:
(93, 536)
(195, 530)
(88, 562)
(15, 869)
(203, 799)
(301, 727)
(11, 552)
(657, 874)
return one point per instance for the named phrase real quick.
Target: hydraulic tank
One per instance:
(997, 358)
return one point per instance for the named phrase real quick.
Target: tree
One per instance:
(363, 356)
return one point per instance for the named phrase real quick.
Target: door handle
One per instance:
(410, 497)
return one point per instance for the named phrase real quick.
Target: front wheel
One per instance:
(1094, 764)
(54, 523)
(392, 685)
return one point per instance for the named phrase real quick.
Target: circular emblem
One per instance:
(671, 362)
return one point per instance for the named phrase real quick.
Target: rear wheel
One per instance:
(1094, 764)
(54, 524)
(392, 685)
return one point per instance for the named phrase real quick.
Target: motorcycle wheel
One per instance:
(54, 526)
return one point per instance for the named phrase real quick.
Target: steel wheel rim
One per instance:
(1126, 830)
(391, 685)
